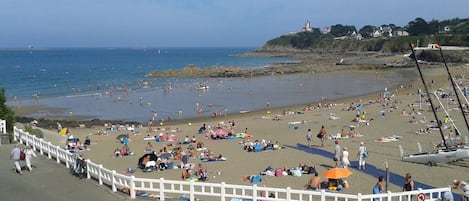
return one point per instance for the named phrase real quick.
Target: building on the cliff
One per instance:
(326, 30)
(307, 27)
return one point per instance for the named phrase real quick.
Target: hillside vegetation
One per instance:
(454, 32)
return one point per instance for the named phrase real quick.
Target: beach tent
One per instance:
(153, 157)
(63, 131)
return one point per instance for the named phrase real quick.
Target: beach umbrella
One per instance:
(221, 132)
(337, 173)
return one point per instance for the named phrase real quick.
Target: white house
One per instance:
(307, 27)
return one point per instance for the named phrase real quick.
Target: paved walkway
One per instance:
(48, 181)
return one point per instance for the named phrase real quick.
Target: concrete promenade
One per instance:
(49, 181)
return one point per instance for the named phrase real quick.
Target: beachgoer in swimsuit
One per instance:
(314, 183)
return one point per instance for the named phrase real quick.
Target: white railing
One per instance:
(220, 191)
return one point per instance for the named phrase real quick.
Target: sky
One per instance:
(197, 23)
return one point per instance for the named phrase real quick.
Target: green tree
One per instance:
(417, 27)
(5, 112)
(367, 31)
(341, 30)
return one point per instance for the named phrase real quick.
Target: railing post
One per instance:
(254, 192)
(113, 180)
(100, 175)
(57, 154)
(389, 196)
(88, 175)
(41, 146)
(359, 197)
(48, 150)
(20, 134)
(191, 190)
(132, 187)
(223, 192)
(323, 195)
(66, 160)
(162, 197)
(15, 130)
(288, 194)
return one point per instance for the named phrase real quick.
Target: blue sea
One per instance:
(112, 84)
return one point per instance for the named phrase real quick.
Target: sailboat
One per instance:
(444, 153)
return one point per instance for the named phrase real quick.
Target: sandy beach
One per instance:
(333, 115)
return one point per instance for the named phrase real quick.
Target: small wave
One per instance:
(84, 95)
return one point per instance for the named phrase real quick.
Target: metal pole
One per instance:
(454, 88)
(428, 94)
(387, 175)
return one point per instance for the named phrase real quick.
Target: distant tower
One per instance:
(307, 27)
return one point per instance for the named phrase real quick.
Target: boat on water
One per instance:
(202, 87)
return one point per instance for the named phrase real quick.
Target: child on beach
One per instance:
(29, 152)
(309, 137)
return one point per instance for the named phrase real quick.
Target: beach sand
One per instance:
(260, 124)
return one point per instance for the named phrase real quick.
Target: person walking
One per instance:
(29, 152)
(323, 135)
(15, 156)
(345, 160)
(309, 136)
(408, 183)
(337, 153)
(361, 156)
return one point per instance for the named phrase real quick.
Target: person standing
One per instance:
(323, 134)
(309, 137)
(337, 153)
(379, 187)
(15, 156)
(408, 183)
(29, 152)
(361, 157)
(345, 160)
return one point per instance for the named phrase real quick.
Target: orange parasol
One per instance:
(337, 173)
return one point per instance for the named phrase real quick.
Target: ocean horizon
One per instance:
(111, 83)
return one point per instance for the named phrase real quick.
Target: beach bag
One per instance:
(320, 135)
(365, 154)
(22, 155)
(278, 172)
